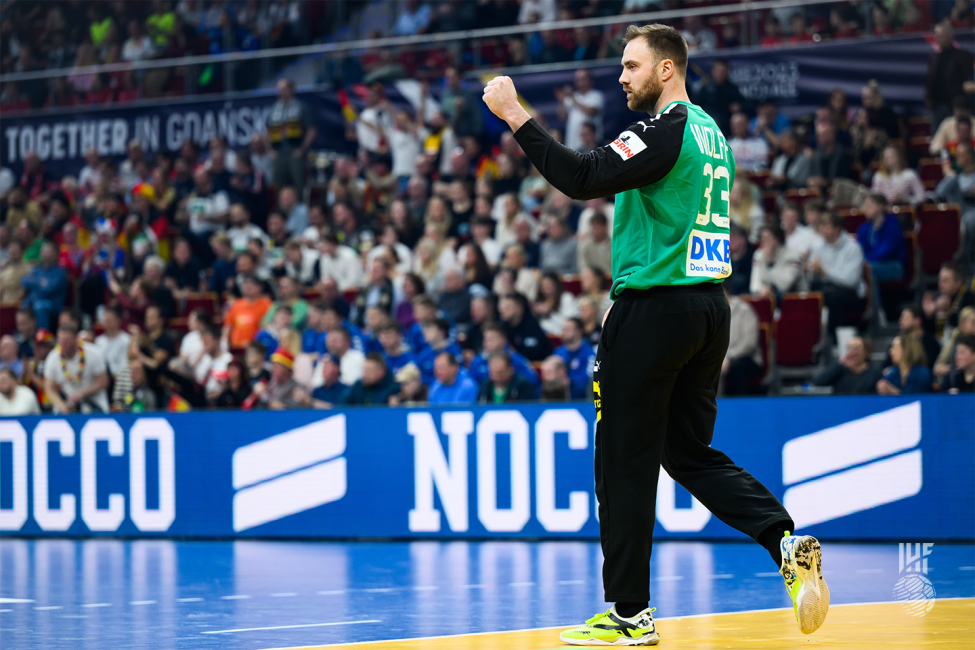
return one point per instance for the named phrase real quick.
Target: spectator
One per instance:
(791, 167)
(20, 208)
(743, 209)
(742, 253)
(959, 187)
(769, 123)
(593, 207)
(207, 210)
(966, 327)
(941, 310)
(578, 356)
(596, 251)
(595, 285)
(775, 268)
(113, 343)
(26, 325)
(460, 106)
(751, 151)
(580, 105)
(351, 361)
(719, 97)
(504, 385)
(854, 374)
(453, 384)
(241, 230)
(238, 390)
(398, 354)
(412, 390)
(521, 328)
(243, 319)
(376, 386)
(290, 133)
(280, 393)
(523, 279)
(494, 340)
(836, 269)
(271, 334)
(882, 241)
(830, 160)
(525, 237)
(912, 325)
(414, 19)
(16, 399)
(13, 274)
(879, 114)
(895, 181)
(947, 130)
(592, 319)
(74, 375)
(132, 392)
(184, 273)
(799, 238)
(8, 355)
(555, 380)
(742, 364)
(699, 38)
(378, 293)
(455, 299)
(948, 70)
(339, 263)
(959, 380)
(46, 286)
(554, 304)
(436, 334)
(558, 250)
(908, 372)
(331, 392)
(294, 211)
(542, 11)
(289, 295)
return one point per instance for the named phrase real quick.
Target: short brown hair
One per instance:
(665, 43)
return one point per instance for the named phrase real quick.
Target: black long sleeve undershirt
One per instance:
(643, 154)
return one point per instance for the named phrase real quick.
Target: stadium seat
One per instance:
(801, 195)
(312, 295)
(918, 127)
(572, 284)
(896, 292)
(350, 295)
(852, 219)
(799, 328)
(764, 307)
(765, 345)
(555, 341)
(938, 235)
(206, 301)
(8, 318)
(759, 178)
(770, 202)
(918, 145)
(929, 169)
(906, 214)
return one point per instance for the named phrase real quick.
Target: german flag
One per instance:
(347, 110)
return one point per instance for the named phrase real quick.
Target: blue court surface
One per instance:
(99, 594)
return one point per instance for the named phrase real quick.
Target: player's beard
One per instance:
(644, 99)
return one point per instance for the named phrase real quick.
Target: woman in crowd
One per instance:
(908, 372)
(413, 286)
(895, 180)
(592, 319)
(595, 285)
(946, 360)
(744, 209)
(554, 304)
(840, 107)
(477, 271)
(238, 387)
(438, 215)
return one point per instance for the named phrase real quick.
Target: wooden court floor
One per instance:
(950, 625)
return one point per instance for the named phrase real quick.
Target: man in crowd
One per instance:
(46, 286)
(751, 151)
(13, 274)
(113, 343)
(436, 333)
(243, 319)
(280, 392)
(836, 269)
(962, 378)
(332, 392)
(580, 105)
(912, 324)
(16, 399)
(719, 97)
(854, 374)
(494, 339)
(579, 357)
(595, 250)
(455, 299)
(453, 384)
(289, 135)
(376, 385)
(339, 263)
(504, 385)
(558, 251)
(397, 352)
(555, 380)
(351, 361)
(75, 377)
(941, 309)
(522, 330)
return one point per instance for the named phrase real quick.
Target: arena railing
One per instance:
(332, 51)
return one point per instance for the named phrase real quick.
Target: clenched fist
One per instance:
(502, 98)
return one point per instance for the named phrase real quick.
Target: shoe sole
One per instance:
(650, 639)
(811, 607)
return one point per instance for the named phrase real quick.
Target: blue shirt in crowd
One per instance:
(918, 381)
(522, 366)
(462, 391)
(885, 244)
(580, 365)
(424, 360)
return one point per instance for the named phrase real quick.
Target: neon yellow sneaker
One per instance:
(611, 629)
(802, 568)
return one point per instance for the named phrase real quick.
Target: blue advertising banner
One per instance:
(799, 78)
(846, 468)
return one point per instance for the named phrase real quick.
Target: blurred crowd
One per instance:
(71, 34)
(437, 266)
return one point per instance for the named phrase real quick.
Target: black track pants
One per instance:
(655, 381)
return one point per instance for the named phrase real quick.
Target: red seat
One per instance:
(919, 144)
(769, 202)
(312, 295)
(572, 284)
(206, 301)
(759, 178)
(938, 235)
(555, 341)
(929, 169)
(799, 328)
(801, 195)
(350, 295)
(764, 307)
(918, 127)
(8, 318)
(765, 344)
(852, 219)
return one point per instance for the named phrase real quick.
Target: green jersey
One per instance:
(672, 175)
